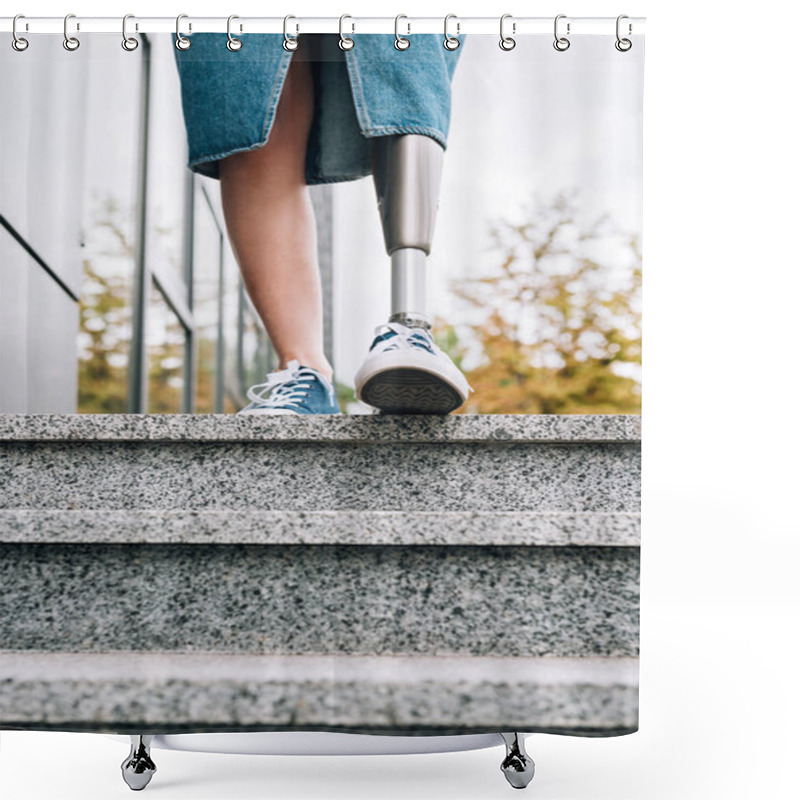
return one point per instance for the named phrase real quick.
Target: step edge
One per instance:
(26, 666)
(363, 429)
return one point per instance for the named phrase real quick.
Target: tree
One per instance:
(106, 312)
(104, 337)
(559, 329)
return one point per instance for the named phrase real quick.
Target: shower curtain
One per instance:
(173, 569)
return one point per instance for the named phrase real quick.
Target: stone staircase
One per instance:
(366, 574)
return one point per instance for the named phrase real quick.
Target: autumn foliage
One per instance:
(557, 325)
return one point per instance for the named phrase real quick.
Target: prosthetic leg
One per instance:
(407, 172)
(405, 372)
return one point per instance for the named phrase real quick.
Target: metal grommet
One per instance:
(623, 45)
(561, 43)
(18, 43)
(181, 42)
(345, 42)
(289, 42)
(233, 44)
(129, 43)
(506, 42)
(451, 42)
(400, 42)
(70, 42)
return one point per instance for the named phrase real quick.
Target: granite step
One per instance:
(273, 527)
(425, 599)
(137, 549)
(460, 463)
(140, 693)
(365, 428)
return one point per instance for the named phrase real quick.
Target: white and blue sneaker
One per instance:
(405, 372)
(294, 390)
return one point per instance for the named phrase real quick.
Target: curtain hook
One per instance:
(129, 43)
(561, 43)
(70, 43)
(400, 42)
(345, 42)
(506, 42)
(233, 44)
(181, 42)
(18, 43)
(451, 42)
(289, 42)
(623, 45)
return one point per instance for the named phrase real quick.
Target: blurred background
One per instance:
(119, 291)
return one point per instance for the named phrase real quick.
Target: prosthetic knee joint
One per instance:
(407, 172)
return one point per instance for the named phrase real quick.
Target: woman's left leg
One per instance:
(270, 221)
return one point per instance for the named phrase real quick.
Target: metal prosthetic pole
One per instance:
(407, 171)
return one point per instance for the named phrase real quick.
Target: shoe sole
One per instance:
(410, 391)
(411, 382)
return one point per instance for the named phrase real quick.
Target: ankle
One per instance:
(320, 364)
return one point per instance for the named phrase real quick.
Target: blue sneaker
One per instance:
(294, 390)
(405, 372)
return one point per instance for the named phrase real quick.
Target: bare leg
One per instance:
(270, 222)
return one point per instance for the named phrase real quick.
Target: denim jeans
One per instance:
(230, 98)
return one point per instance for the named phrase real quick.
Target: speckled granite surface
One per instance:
(461, 476)
(164, 693)
(321, 527)
(439, 540)
(509, 600)
(338, 428)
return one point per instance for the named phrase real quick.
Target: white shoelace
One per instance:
(285, 388)
(404, 340)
